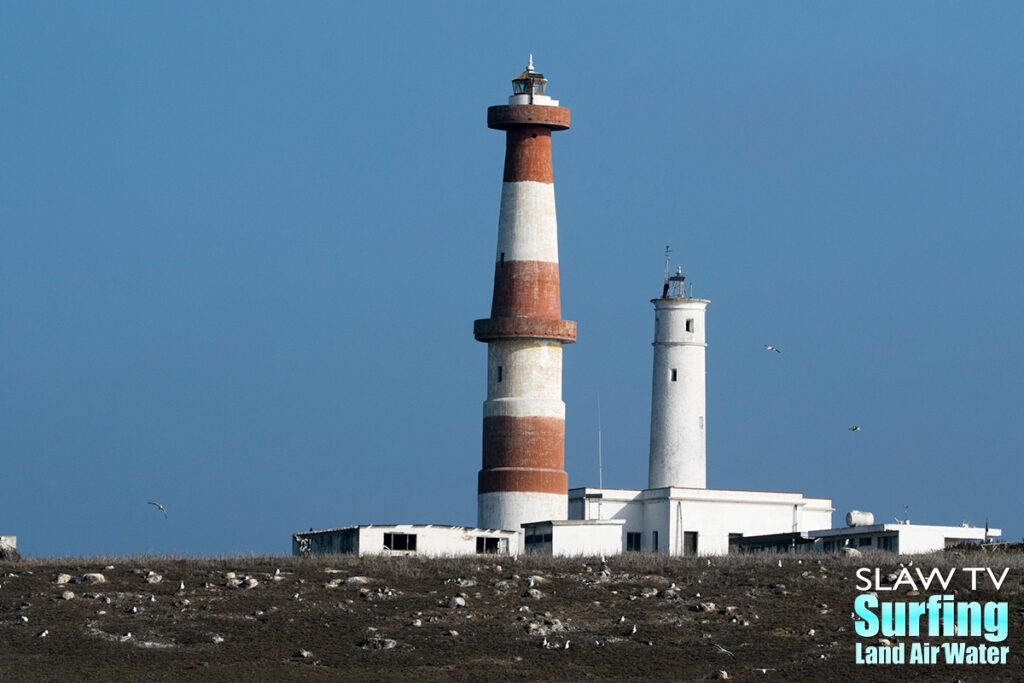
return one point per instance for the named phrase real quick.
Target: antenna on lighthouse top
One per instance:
(673, 282)
(668, 253)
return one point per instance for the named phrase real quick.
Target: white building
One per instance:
(692, 521)
(593, 537)
(432, 540)
(905, 538)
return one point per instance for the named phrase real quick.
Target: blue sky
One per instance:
(242, 246)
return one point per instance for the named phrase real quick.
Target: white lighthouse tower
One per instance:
(678, 432)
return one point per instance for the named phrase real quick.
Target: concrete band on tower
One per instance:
(523, 477)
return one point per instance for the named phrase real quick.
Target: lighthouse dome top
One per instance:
(530, 87)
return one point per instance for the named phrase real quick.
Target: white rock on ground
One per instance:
(90, 578)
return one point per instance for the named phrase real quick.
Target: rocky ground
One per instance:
(484, 618)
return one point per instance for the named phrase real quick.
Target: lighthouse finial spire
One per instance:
(529, 67)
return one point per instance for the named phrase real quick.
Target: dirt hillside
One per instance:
(485, 618)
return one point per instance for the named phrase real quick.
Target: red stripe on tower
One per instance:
(523, 477)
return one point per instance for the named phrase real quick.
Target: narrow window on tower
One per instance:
(502, 258)
(499, 373)
(673, 374)
(689, 324)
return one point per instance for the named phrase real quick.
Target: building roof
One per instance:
(955, 531)
(404, 526)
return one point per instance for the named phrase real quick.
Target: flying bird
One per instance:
(722, 651)
(769, 347)
(159, 507)
(855, 428)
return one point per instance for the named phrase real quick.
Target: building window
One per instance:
(864, 541)
(499, 373)
(633, 542)
(502, 258)
(673, 374)
(887, 543)
(486, 544)
(534, 537)
(701, 418)
(654, 541)
(689, 324)
(400, 541)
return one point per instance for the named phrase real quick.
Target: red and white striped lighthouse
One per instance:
(523, 477)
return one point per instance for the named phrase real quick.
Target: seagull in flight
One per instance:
(722, 651)
(160, 507)
(855, 428)
(769, 347)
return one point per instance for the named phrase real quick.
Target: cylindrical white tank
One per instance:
(859, 518)
(678, 432)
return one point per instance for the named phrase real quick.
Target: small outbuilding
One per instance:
(903, 538)
(430, 540)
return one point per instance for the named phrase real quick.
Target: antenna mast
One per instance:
(664, 289)
(600, 481)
